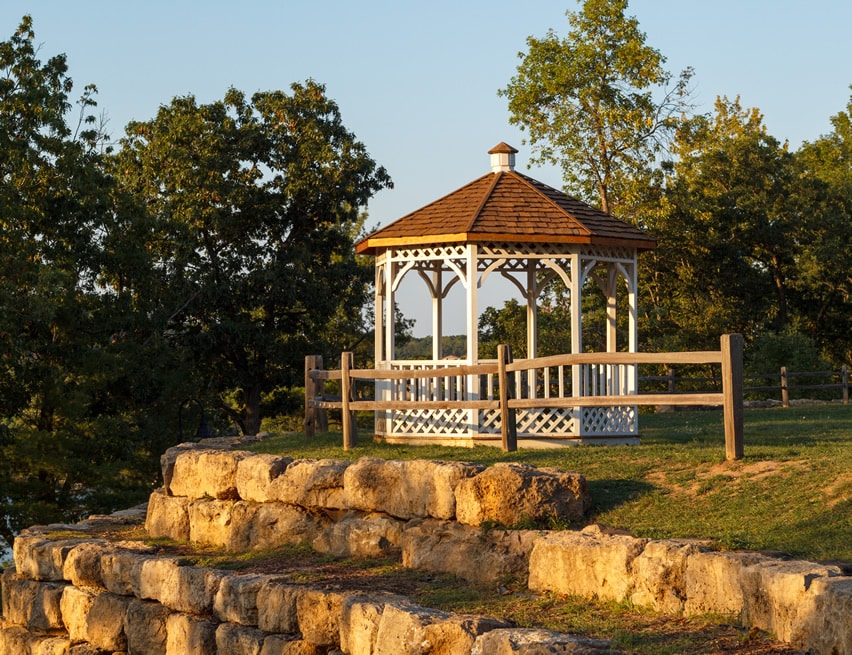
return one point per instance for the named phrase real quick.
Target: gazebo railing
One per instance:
(550, 381)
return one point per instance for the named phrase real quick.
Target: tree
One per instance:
(729, 235)
(255, 206)
(588, 103)
(822, 294)
(71, 438)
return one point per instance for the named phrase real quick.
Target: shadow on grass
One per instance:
(608, 494)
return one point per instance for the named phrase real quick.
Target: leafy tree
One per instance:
(70, 438)
(255, 205)
(822, 294)
(728, 237)
(588, 103)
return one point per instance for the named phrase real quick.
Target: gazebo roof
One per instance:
(506, 206)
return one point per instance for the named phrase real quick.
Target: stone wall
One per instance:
(436, 516)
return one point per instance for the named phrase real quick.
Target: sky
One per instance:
(417, 82)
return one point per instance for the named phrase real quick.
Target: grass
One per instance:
(791, 493)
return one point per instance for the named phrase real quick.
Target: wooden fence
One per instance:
(730, 356)
(783, 388)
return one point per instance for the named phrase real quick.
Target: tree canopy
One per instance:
(254, 206)
(597, 102)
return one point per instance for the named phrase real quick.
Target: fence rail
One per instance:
(509, 377)
(783, 388)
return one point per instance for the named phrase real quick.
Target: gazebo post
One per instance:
(437, 314)
(471, 287)
(611, 308)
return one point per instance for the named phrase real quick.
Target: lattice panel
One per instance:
(431, 422)
(547, 422)
(609, 420)
(430, 252)
(550, 421)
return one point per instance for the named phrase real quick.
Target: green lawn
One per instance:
(791, 493)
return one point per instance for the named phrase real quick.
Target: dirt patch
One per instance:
(755, 471)
(840, 490)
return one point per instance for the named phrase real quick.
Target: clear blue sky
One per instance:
(417, 81)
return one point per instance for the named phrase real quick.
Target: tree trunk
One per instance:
(251, 397)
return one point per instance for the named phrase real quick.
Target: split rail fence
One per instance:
(784, 387)
(730, 398)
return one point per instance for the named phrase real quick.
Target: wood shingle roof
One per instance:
(506, 206)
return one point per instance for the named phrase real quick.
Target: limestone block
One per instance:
(408, 629)
(167, 461)
(311, 483)
(359, 621)
(588, 563)
(236, 599)
(446, 477)
(200, 473)
(105, 622)
(290, 645)
(318, 613)
(255, 474)
(531, 641)
(152, 575)
(269, 525)
(85, 649)
(13, 640)
(359, 535)
(42, 645)
(181, 588)
(42, 559)
(484, 557)
(402, 629)
(75, 605)
(276, 607)
(776, 593)
(167, 516)
(510, 494)
(121, 568)
(658, 575)
(145, 628)
(712, 582)
(190, 635)
(82, 566)
(825, 622)
(31, 604)
(238, 639)
(405, 489)
(211, 521)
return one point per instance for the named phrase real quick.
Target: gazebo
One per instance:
(509, 224)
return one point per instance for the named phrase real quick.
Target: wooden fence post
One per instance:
(508, 429)
(732, 391)
(785, 388)
(312, 362)
(347, 418)
(844, 381)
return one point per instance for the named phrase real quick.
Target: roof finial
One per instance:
(502, 157)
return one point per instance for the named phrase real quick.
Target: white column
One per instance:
(633, 320)
(577, 279)
(472, 303)
(389, 305)
(532, 310)
(611, 304)
(472, 284)
(437, 314)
